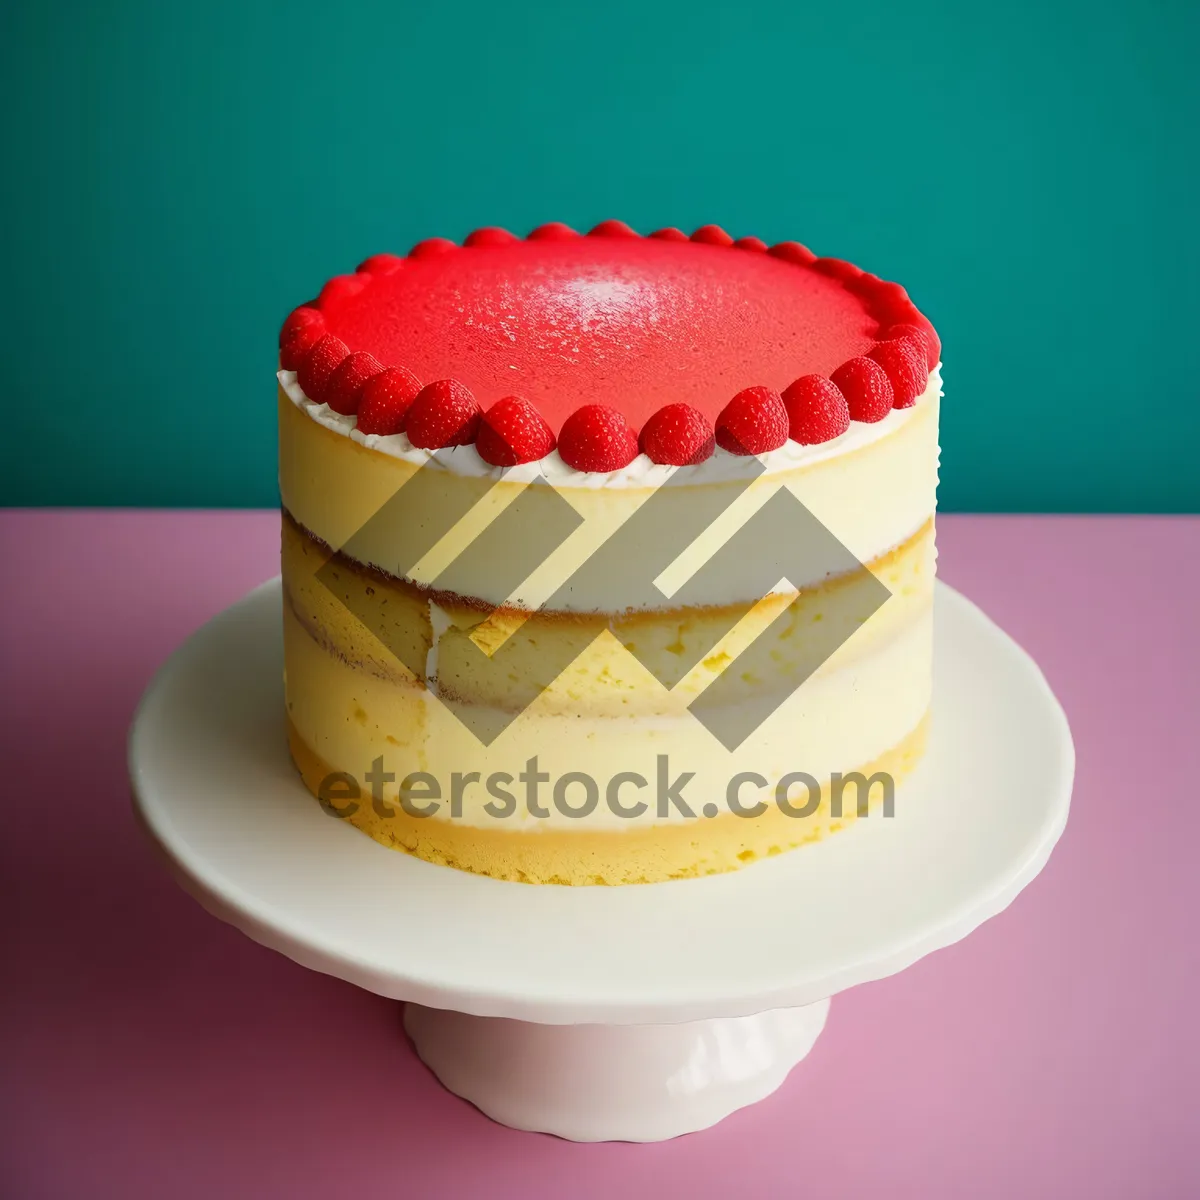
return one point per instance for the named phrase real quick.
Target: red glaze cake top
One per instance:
(593, 339)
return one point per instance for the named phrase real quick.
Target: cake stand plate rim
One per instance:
(237, 832)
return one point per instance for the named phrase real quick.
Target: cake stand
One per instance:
(630, 1013)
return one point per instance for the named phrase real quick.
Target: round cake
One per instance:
(607, 559)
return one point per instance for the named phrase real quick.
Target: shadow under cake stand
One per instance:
(598, 1014)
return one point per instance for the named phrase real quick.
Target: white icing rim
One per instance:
(641, 473)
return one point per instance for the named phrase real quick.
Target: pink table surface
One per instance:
(149, 1050)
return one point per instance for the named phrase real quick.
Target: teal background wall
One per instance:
(178, 176)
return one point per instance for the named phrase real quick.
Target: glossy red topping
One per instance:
(613, 320)
(677, 435)
(753, 422)
(444, 413)
(636, 323)
(866, 387)
(386, 399)
(597, 438)
(817, 411)
(512, 432)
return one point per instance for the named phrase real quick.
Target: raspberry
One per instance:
(344, 389)
(386, 400)
(432, 246)
(792, 252)
(380, 264)
(552, 231)
(865, 385)
(444, 413)
(299, 318)
(712, 235)
(904, 363)
(678, 435)
(817, 410)
(513, 431)
(301, 341)
(489, 236)
(753, 422)
(836, 268)
(617, 229)
(340, 289)
(925, 337)
(315, 369)
(597, 438)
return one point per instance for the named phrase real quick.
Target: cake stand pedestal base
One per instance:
(613, 1083)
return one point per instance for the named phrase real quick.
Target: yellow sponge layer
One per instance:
(640, 854)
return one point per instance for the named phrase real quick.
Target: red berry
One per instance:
(303, 329)
(925, 337)
(792, 252)
(891, 303)
(614, 229)
(753, 422)
(431, 246)
(344, 389)
(340, 289)
(513, 431)
(380, 264)
(489, 236)
(444, 413)
(712, 235)
(299, 318)
(386, 400)
(865, 385)
(317, 367)
(678, 435)
(597, 438)
(817, 411)
(301, 341)
(904, 363)
(836, 268)
(912, 332)
(933, 344)
(552, 231)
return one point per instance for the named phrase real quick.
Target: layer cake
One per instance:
(607, 559)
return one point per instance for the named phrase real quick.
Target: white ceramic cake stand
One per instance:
(629, 1013)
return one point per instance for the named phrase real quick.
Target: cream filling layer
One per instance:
(366, 726)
